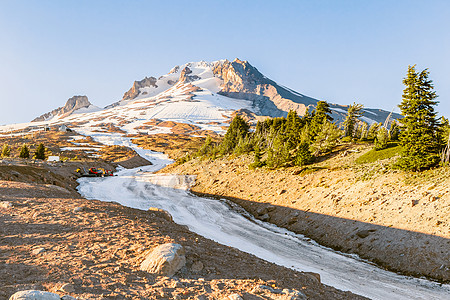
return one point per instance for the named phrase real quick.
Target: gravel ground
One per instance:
(404, 227)
(49, 237)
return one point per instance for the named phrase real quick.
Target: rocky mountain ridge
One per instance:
(241, 80)
(73, 104)
(236, 79)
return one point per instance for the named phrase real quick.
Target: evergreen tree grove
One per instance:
(420, 136)
(238, 130)
(279, 142)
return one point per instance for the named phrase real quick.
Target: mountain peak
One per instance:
(205, 90)
(133, 92)
(73, 104)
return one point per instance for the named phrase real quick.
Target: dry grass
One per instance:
(116, 153)
(174, 145)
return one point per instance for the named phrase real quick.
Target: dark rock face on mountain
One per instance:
(185, 76)
(134, 91)
(73, 104)
(242, 80)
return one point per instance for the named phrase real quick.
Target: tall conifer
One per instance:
(420, 136)
(354, 111)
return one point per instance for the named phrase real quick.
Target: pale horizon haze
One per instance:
(338, 51)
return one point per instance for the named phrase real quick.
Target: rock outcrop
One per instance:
(185, 76)
(34, 295)
(73, 104)
(165, 260)
(137, 85)
(242, 80)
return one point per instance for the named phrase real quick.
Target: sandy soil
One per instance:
(49, 236)
(397, 221)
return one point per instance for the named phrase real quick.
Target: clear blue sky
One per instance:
(339, 51)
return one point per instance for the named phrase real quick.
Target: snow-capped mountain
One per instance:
(203, 94)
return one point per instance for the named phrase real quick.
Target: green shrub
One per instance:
(373, 155)
(24, 152)
(6, 151)
(40, 152)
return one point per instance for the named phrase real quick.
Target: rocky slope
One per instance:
(53, 240)
(134, 91)
(73, 104)
(388, 217)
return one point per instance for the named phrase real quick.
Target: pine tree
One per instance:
(303, 155)
(420, 136)
(445, 154)
(24, 152)
(6, 151)
(40, 152)
(373, 130)
(381, 139)
(354, 111)
(364, 131)
(238, 129)
(326, 139)
(394, 131)
(294, 126)
(321, 114)
(206, 148)
(257, 163)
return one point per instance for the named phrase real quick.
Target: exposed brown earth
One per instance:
(174, 145)
(395, 219)
(49, 236)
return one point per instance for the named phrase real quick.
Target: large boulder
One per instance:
(165, 260)
(34, 295)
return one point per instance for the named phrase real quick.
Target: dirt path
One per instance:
(403, 227)
(48, 238)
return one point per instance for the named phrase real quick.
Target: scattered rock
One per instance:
(166, 215)
(201, 297)
(37, 251)
(165, 260)
(282, 192)
(363, 233)
(261, 289)
(270, 208)
(67, 288)
(293, 295)
(313, 275)
(414, 202)
(34, 295)
(78, 209)
(261, 211)
(233, 297)
(197, 266)
(5, 204)
(67, 297)
(264, 217)
(292, 220)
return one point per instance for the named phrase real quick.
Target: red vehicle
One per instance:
(94, 172)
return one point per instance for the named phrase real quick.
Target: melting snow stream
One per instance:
(228, 225)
